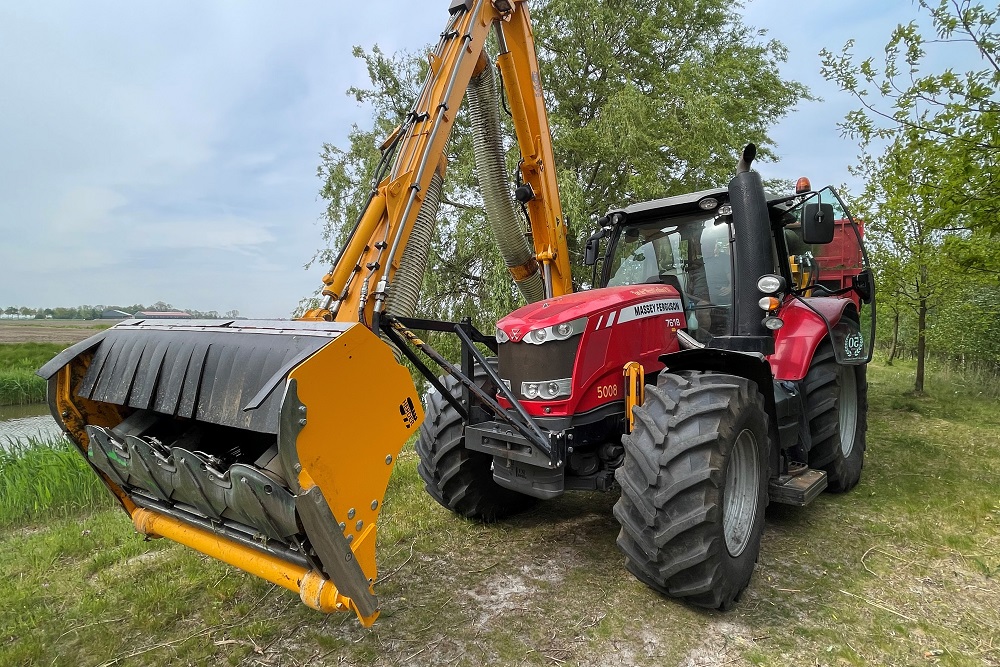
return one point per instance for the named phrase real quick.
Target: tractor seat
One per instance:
(667, 279)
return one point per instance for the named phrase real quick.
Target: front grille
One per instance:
(522, 362)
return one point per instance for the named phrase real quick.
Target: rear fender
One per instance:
(803, 331)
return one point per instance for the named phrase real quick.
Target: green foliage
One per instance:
(958, 112)
(27, 356)
(633, 97)
(906, 562)
(87, 312)
(930, 200)
(45, 477)
(21, 387)
(18, 362)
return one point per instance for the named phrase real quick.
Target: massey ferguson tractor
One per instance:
(701, 377)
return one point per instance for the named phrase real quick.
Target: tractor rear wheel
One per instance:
(837, 409)
(694, 487)
(458, 478)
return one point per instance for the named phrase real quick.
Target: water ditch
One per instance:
(19, 422)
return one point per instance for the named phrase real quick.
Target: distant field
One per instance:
(49, 331)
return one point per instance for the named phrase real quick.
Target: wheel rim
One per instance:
(848, 409)
(742, 487)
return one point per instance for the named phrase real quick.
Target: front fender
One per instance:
(804, 329)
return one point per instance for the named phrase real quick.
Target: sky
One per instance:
(167, 151)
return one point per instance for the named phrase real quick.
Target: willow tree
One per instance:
(645, 98)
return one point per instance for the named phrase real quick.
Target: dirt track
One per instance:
(47, 331)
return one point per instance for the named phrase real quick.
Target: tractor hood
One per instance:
(564, 356)
(657, 298)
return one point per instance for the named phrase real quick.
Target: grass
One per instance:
(904, 570)
(18, 362)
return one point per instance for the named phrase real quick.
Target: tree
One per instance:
(908, 227)
(634, 96)
(25, 311)
(645, 99)
(958, 112)
(10, 311)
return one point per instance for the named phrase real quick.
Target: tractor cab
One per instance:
(815, 250)
(682, 242)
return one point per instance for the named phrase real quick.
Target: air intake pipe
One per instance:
(753, 257)
(492, 174)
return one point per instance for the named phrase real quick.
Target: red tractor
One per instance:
(697, 378)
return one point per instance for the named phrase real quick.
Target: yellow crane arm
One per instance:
(356, 288)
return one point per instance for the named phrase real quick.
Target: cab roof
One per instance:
(688, 203)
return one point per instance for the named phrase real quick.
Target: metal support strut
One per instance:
(521, 421)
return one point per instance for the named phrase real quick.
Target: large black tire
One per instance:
(460, 479)
(837, 409)
(694, 487)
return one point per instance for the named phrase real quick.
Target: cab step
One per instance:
(799, 486)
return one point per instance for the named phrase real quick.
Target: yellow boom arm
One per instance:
(357, 286)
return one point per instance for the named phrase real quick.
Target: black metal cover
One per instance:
(223, 373)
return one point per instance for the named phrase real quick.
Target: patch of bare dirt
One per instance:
(724, 642)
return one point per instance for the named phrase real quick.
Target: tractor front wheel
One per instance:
(837, 409)
(458, 478)
(694, 487)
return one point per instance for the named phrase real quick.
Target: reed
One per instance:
(46, 477)
(18, 362)
(21, 387)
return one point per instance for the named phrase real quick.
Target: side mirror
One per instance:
(862, 285)
(817, 223)
(590, 254)
(594, 247)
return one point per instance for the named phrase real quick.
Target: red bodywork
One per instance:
(633, 323)
(796, 342)
(649, 331)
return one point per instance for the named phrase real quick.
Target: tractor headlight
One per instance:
(770, 283)
(502, 336)
(546, 390)
(560, 331)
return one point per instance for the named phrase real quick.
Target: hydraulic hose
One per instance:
(493, 183)
(405, 290)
